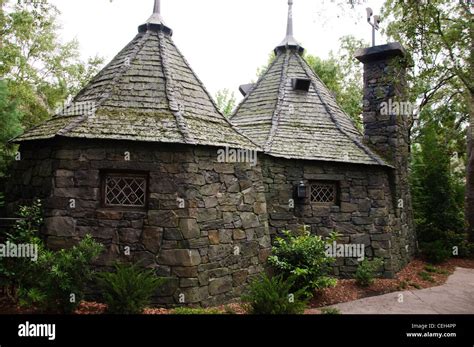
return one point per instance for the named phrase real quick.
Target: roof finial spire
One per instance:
(289, 41)
(157, 7)
(289, 28)
(155, 21)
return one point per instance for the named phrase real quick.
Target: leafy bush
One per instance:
(274, 295)
(128, 290)
(58, 279)
(17, 271)
(195, 311)
(304, 258)
(460, 242)
(436, 251)
(366, 271)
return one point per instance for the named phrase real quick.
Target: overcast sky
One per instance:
(225, 41)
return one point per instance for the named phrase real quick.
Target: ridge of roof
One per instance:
(312, 75)
(226, 119)
(108, 93)
(173, 104)
(300, 125)
(278, 106)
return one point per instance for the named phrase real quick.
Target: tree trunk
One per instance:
(469, 209)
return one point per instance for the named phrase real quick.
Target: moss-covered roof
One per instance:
(148, 92)
(297, 124)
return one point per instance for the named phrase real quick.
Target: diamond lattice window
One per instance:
(122, 190)
(323, 193)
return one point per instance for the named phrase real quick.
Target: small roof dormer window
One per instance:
(301, 84)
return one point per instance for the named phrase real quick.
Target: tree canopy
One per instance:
(40, 70)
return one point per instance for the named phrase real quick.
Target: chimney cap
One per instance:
(381, 52)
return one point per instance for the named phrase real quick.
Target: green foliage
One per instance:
(403, 285)
(28, 226)
(195, 311)
(438, 196)
(274, 295)
(425, 276)
(16, 271)
(435, 251)
(41, 71)
(433, 269)
(366, 271)
(438, 36)
(330, 310)
(303, 257)
(58, 279)
(225, 101)
(10, 125)
(128, 290)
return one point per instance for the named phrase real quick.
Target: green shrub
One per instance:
(460, 242)
(304, 258)
(330, 310)
(195, 311)
(425, 276)
(438, 195)
(433, 269)
(274, 295)
(58, 279)
(366, 271)
(17, 271)
(403, 285)
(128, 290)
(436, 251)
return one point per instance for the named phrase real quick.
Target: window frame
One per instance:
(124, 174)
(335, 184)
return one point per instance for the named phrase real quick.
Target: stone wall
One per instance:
(208, 250)
(364, 214)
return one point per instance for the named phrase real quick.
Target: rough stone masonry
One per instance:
(140, 170)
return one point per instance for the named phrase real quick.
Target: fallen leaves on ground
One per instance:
(407, 279)
(346, 290)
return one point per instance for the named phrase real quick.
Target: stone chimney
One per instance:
(387, 115)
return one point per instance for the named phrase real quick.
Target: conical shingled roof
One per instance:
(148, 92)
(297, 124)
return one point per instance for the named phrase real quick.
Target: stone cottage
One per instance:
(135, 161)
(345, 182)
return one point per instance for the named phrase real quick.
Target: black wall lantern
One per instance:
(301, 191)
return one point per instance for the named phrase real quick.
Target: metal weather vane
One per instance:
(375, 24)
